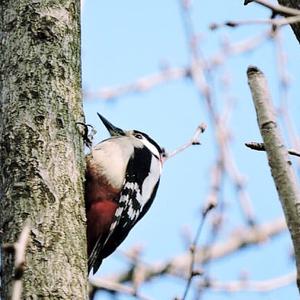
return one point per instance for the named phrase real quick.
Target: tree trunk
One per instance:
(42, 159)
(281, 167)
(293, 4)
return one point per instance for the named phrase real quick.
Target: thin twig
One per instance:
(284, 106)
(19, 250)
(195, 140)
(140, 85)
(201, 75)
(114, 287)
(276, 8)
(148, 82)
(245, 285)
(261, 147)
(193, 248)
(87, 134)
(179, 265)
(274, 22)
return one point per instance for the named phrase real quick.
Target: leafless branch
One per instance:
(200, 75)
(284, 110)
(179, 266)
(274, 22)
(148, 82)
(19, 251)
(261, 147)
(195, 140)
(217, 174)
(200, 70)
(246, 285)
(193, 248)
(276, 8)
(282, 172)
(140, 85)
(114, 287)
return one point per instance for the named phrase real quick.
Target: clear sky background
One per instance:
(123, 41)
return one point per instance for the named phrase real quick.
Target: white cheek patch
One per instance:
(151, 147)
(153, 177)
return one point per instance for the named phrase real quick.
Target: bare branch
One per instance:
(140, 85)
(148, 82)
(195, 140)
(193, 248)
(179, 266)
(276, 8)
(201, 74)
(282, 172)
(217, 174)
(284, 110)
(245, 285)
(19, 250)
(293, 4)
(114, 287)
(274, 22)
(261, 147)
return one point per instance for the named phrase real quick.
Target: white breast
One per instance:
(111, 157)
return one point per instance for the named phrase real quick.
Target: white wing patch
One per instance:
(130, 206)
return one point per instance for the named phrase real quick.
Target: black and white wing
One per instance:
(136, 197)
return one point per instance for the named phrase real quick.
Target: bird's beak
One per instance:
(113, 130)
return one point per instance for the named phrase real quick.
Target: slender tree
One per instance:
(41, 163)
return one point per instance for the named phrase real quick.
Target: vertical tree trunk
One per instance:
(281, 168)
(41, 162)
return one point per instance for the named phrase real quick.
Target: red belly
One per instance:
(101, 204)
(99, 218)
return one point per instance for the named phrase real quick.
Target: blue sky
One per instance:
(125, 40)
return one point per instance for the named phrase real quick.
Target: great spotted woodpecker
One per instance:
(122, 177)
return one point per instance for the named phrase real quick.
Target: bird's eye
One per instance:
(139, 136)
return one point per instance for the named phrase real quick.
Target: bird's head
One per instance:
(138, 138)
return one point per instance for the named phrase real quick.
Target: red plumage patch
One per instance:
(99, 218)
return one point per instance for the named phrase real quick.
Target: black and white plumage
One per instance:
(122, 178)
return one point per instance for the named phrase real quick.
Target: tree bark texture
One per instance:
(293, 4)
(42, 159)
(281, 168)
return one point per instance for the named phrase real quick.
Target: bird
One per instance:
(122, 177)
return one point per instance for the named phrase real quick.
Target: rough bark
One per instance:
(41, 162)
(281, 168)
(293, 4)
